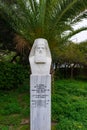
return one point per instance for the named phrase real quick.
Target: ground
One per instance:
(69, 106)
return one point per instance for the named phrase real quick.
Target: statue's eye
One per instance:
(38, 48)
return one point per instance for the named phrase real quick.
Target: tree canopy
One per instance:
(44, 18)
(50, 19)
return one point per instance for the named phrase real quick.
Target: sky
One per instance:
(80, 36)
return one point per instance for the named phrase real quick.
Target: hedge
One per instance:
(12, 75)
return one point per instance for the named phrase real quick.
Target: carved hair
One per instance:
(32, 53)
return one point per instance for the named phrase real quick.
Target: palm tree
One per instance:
(44, 18)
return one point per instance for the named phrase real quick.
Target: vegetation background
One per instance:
(21, 22)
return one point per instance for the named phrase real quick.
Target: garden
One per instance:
(69, 101)
(23, 21)
(69, 107)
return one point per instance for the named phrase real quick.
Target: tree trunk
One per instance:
(72, 71)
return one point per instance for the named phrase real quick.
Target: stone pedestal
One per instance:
(40, 102)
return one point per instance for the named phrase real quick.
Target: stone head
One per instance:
(40, 51)
(40, 47)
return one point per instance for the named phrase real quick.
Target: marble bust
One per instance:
(40, 57)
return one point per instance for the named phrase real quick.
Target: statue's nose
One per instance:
(40, 51)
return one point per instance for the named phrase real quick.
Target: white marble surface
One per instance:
(40, 102)
(40, 57)
(40, 86)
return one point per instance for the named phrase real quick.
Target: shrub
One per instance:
(67, 124)
(12, 75)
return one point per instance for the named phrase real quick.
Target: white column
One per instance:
(40, 86)
(40, 102)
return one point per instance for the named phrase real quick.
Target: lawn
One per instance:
(69, 106)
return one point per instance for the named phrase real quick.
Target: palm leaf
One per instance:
(46, 18)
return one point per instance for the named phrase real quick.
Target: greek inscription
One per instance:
(40, 94)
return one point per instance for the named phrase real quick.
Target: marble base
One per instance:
(40, 102)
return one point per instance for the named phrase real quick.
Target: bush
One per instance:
(12, 75)
(67, 124)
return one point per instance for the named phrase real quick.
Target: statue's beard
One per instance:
(40, 58)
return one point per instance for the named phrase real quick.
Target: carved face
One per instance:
(40, 48)
(40, 53)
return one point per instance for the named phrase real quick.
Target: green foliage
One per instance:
(14, 106)
(46, 18)
(50, 19)
(11, 108)
(12, 75)
(67, 124)
(9, 104)
(71, 61)
(6, 56)
(10, 120)
(71, 53)
(4, 127)
(26, 127)
(69, 105)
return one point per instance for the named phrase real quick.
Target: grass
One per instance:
(69, 106)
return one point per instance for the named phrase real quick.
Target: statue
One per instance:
(40, 86)
(40, 57)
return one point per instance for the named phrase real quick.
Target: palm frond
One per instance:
(75, 32)
(46, 18)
